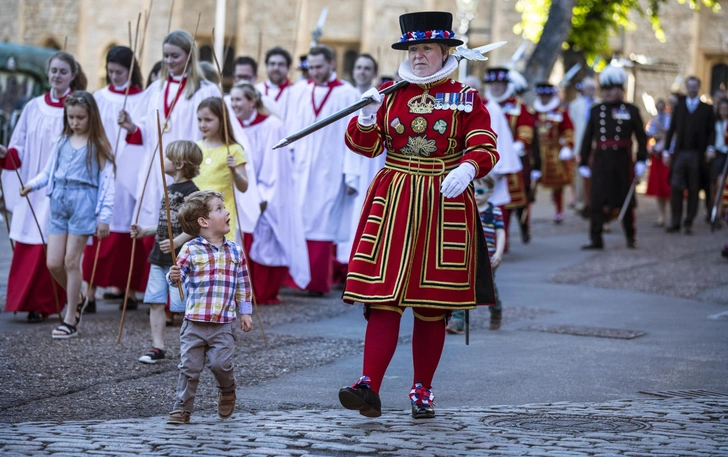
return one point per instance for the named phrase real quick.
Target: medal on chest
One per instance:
(621, 114)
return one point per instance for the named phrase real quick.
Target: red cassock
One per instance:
(521, 123)
(413, 247)
(555, 131)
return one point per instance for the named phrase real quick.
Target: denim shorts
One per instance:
(158, 289)
(73, 210)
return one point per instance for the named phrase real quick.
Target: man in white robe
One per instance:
(320, 182)
(277, 86)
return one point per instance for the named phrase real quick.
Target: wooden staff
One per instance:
(171, 12)
(166, 205)
(235, 199)
(42, 238)
(118, 137)
(144, 189)
(147, 15)
(65, 43)
(260, 45)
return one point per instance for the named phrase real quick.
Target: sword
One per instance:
(627, 200)
(518, 55)
(718, 195)
(570, 74)
(461, 52)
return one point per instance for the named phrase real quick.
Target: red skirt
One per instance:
(30, 285)
(112, 268)
(658, 183)
(266, 281)
(321, 262)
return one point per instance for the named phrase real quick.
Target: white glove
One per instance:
(639, 168)
(368, 114)
(519, 148)
(535, 175)
(457, 180)
(585, 172)
(566, 153)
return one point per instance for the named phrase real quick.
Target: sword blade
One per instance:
(336, 116)
(627, 200)
(490, 47)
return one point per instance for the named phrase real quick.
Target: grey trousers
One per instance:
(204, 344)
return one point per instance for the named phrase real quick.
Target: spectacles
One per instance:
(482, 190)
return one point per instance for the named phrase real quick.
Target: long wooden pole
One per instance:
(166, 204)
(171, 13)
(144, 189)
(147, 15)
(42, 238)
(5, 215)
(235, 199)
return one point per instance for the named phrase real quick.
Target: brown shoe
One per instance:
(225, 404)
(179, 417)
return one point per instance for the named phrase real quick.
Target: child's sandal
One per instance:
(65, 331)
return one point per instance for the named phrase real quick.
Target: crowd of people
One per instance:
(408, 205)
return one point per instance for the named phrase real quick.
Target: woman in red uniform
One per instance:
(418, 244)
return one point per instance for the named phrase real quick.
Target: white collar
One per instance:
(121, 87)
(405, 72)
(550, 106)
(248, 121)
(177, 79)
(503, 97)
(56, 100)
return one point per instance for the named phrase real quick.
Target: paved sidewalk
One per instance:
(670, 427)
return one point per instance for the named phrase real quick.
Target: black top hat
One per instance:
(496, 74)
(426, 27)
(545, 88)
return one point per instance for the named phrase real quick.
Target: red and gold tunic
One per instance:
(413, 247)
(555, 131)
(521, 124)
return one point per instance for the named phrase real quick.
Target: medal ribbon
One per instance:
(331, 85)
(176, 97)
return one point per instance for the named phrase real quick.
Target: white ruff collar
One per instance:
(503, 97)
(550, 106)
(405, 72)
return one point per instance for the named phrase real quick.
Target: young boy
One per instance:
(182, 162)
(495, 236)
(215, 277)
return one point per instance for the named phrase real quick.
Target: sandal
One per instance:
(64, 331)
(80, 309)
(34, 317)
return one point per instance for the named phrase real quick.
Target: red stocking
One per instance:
(428, 339)
(558, 196)
(380, 343)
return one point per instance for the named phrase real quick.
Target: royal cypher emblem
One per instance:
(422, 104)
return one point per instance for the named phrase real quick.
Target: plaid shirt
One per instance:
(216, 279)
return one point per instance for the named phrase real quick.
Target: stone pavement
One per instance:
(669, 427)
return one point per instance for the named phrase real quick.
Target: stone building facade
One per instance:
(697, 42)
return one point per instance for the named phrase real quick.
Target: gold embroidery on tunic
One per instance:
(422, 104)
(419, 145)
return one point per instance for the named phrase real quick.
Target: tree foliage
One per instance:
(595, 21)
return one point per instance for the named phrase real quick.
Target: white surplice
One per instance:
(509, 161)
(39, 126)
(320, 189)
(286, 100)
(278, 238)
(128, 156)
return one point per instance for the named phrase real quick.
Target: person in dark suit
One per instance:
(692, 122)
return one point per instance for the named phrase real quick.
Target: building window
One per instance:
(718, 78)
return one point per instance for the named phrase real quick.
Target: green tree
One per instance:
(585, 25)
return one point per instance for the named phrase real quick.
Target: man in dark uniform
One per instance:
(611, 124)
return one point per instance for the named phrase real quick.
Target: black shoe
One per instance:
(592, 247)
(34, 317)
(423, 412)
(131, 303)
(673, 229)
(724, 252)
(153, 356)
(360, 398)
(496, 317)
(525, 236)
(689, 230)
(113, 296)
(91, 307)
(632, 244)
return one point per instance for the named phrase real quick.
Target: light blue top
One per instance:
(72, 167)
(104, 178)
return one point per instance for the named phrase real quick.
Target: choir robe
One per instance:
(509, 162)
(413, 247)
(29, 281)
(182, 126)
(279, 245)
(319, 179)
(555, 132)
(113, 261)
(286, 97)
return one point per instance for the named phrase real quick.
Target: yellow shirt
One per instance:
(215, 175)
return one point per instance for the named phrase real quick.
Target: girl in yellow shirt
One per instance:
(222, 164)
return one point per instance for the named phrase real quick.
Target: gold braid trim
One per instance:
(387, 308)
(428, 318)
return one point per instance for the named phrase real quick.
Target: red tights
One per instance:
(380, 342)
(557, 195)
